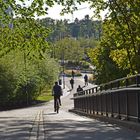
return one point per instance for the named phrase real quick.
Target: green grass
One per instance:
(45, 96)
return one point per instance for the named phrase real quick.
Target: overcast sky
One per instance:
(84, 9)
(54, 12)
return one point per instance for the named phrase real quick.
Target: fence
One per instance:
(119, 99)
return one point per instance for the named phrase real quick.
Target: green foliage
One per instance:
(118, 54)
(76, 73)
(7, 84)
(84, 65)
(85, 28)
(25, 64)
(68, 48)
(46, 95)
(18, 84)
(106, 70)
(45, 98)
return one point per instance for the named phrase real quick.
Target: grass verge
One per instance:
(45, 96)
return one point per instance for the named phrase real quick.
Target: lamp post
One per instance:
(25, 71)
(25, 76)
(62, 61)
(63, 70)
(26, 38)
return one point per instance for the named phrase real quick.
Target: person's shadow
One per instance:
(69, 90)
(83, 86)
(53, 113)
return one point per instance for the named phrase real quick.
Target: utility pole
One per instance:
(63, 62)
(63, 70)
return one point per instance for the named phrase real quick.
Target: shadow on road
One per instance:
(69, 129)
(12, 128)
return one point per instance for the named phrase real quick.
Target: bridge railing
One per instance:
(119, 99)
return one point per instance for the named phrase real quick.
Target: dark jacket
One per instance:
(86, 78)
(71, 81)
(79, 90)
(57, 90)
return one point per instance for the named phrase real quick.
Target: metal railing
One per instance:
(119, 99)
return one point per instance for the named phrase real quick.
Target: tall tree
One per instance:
(121, 34)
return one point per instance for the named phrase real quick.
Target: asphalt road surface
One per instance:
(42, 123)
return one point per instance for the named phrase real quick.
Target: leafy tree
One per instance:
(20, 86)
(120, 36)
(69, 48)
(31, 69)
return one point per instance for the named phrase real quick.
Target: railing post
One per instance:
(106, 105)
(95, 89)
(121, 102)
(118, 84)
(92, 104)
(84, 93)
(82, 104)
(101, 104)
(89, 104)
(96, 104)
(105, 86)
(101, 88)
(111, 104)
(137, 80)
(74, 104)
(86, 104)
(126, 105)
(92, 90)
(88, 107)
(111, 85)
(118, 105)
(126, 82)
(89, 91)
(138, 105)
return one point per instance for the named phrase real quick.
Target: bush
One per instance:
(84, 65)
(19, 85)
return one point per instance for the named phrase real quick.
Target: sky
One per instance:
(80, 14)
(84, 9)
(54, 12)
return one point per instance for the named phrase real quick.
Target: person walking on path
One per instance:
(86, 80)
(79, 90)
(72, 74)
(72, 83)
(60, 81)
(56, 92)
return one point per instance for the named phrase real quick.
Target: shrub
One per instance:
(17, 84)
(84, 65)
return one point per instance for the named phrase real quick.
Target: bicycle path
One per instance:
(69, 126)
(42, 123)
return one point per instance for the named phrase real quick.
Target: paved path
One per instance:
(41, 123)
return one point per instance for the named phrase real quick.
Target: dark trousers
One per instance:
(72, 86)
(55, 100)
(86, 83)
